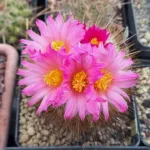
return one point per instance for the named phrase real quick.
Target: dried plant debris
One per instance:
(142, 16)
(89, 11)
(143, 101)
(34, 132)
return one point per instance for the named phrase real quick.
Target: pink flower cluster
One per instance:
(75, 66)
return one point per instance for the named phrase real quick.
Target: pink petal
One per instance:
(38, 96)
(125, 84)
(71, 108)
(92, 95)
(117, 100)
(33, 67)
(37, 38)
(95, 32)
(126, 76)
(53, 27)
(44, 30)
(121, 92)
(32, 45)
(65, 31)
(102, 48)
(32, 90)
(28, 88)
(59, 22)
(27, 80)
(24, 72)
(105, 110)
(81, 106)
(126, 63)
(65, 96)
(44, 105)
(93, 108)
(125, 79)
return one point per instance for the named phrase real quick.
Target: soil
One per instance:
(33, 132)
(142, 16)
(143, 101)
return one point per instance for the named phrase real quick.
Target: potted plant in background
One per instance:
(14, 16)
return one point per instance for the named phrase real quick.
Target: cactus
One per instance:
(13, 20)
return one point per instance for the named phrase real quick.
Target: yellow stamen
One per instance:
(103, 83)
(56, 45)
(95, 41)
(53, 78)
(79, 81)
(103, 71)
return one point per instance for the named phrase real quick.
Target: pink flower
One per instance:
(58, 34)
(81, 71)
(44, 79)
(94, 35)
(116, 78)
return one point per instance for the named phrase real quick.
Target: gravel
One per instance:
(45, 132)
(143, 100)
(24, 138)
(33, 131)
(142, 14)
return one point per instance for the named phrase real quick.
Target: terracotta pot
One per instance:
(9, 80)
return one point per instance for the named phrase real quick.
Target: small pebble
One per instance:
(45, 132)
(147, 140)
(22, 120)
(86, 144)
(35, 141)
(38, 136)
(147, 35)
(57, 142)
(24, 138)
(63, 141)
(31, 131)
(143, 40)
(43, 144)
(52, 139)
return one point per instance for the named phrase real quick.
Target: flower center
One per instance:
(56, 45)
(53, 78)
(103, 83)
(94, 41)
(79, 81)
